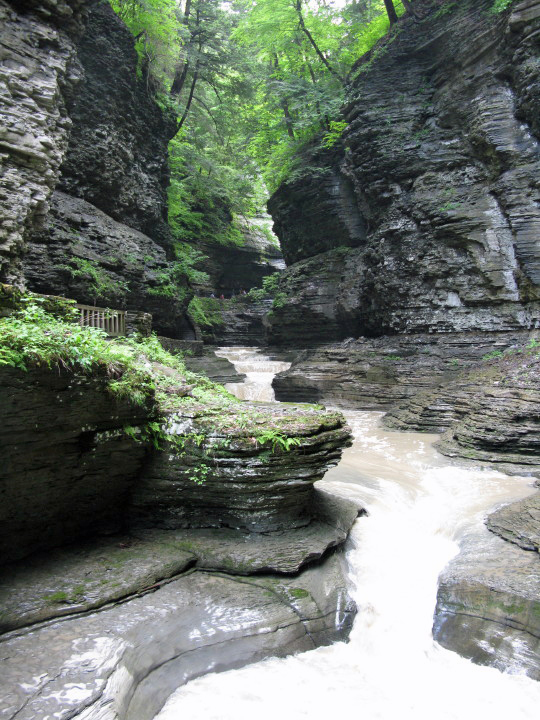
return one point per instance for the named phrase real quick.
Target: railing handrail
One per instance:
(112, 321)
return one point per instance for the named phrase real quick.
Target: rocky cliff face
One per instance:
(232, 268)
(432, 197)
(39, 71)
(99, 140)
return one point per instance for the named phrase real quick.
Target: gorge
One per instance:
(362, 495)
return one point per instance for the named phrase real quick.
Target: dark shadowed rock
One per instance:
(105, 240)
(117, 153)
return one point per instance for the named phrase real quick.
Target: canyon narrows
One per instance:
(303, 461)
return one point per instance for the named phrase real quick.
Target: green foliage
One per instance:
(500, 6)
(171, 282)
(277, 440)
(492, 355)
(206, 312)
(280, 301)
(334, 133)
(269, 289)
(98, 282)
(159, 37)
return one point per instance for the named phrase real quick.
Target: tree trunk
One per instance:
(181, 70)
(189, 100)
(314, 44)
(391, 11)
(285, 107)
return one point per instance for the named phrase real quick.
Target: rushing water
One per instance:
(259, 371)
(419, 508)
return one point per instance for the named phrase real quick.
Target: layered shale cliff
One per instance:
(425, 218)
(85, 170)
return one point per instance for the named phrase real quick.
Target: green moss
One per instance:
(99, 283)
(298, 593)
(206, 312)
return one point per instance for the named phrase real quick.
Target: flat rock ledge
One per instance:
(488, 605)
(123, 661)
(76, 579)
(377, 373)
(518, 523)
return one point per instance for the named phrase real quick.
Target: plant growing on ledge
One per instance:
(98, 283)
(278, 440)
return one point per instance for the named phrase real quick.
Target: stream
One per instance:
(420, 507)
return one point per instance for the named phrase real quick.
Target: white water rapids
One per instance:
(258, 369)
(419, 507)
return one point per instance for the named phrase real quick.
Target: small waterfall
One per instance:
(259, 371)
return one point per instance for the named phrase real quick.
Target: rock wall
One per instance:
(39, 71)
(433, 194)
(117, 153)
(78, 121)
(232, 268)
(67, 465)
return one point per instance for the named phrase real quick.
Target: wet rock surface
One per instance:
(124, 661)
(488, 605)
(438, 231)
(83, 577)
(518, 523)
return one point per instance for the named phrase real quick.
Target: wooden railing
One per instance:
(112, 321)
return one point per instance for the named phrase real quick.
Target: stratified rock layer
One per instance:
(491, 413)
(105, 240)
(488, 606)
(237, 480)
(67, 464)
(117, 153)
(38, 70)
(123, 662)
(377, 373)
(518, 522)
(432, 195)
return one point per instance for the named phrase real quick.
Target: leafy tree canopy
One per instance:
(251, 82)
